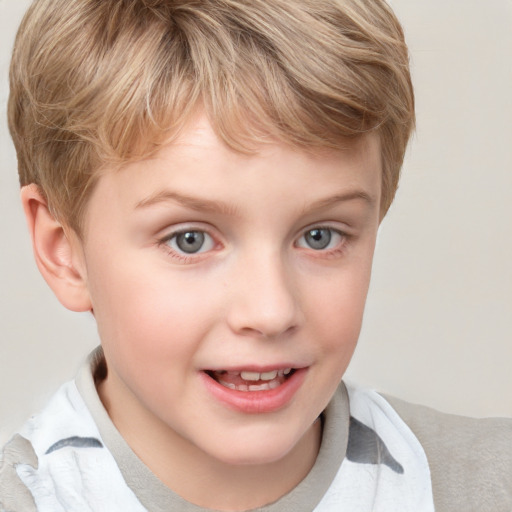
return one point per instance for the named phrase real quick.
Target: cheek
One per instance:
(149, 331)
(153, 314)
(338, 307)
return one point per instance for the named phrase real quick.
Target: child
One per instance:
(207, 178)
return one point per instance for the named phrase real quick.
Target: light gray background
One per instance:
(438, 324)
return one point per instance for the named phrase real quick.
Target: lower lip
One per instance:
(256, 402)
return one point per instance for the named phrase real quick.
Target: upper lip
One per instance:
(255, 368)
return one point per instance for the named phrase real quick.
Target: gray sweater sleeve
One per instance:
(470, 459)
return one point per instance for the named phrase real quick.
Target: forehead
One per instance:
(199, 164)
(200, 133)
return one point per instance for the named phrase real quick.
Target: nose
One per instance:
(265, 299)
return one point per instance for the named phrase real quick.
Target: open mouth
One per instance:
(251, 381)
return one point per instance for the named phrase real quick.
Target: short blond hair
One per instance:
(103, 82)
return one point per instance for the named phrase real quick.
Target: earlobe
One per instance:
(57, 252)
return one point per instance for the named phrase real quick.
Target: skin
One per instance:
(256, 295)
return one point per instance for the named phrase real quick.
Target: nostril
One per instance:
(269, 310)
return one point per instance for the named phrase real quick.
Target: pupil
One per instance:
(190, 242)
(318, 238)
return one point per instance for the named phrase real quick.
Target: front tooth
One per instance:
(259, 387)
(269, 375)
(254, 376)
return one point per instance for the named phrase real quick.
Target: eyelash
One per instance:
(333, 252)
(183, 257)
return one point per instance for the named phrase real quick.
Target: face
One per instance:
(229, 289)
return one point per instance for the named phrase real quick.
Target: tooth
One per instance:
(287, 371)
(242, 387)
(259, 387)
(273, 384)
(229, 385)
(269, 375)
(253, 376)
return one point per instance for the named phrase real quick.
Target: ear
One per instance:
(57, 251)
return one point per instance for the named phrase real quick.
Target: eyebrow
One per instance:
(340, 198)
(194, 203)
(218, 207)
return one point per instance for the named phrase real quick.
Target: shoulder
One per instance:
(14, 495)
(470, 459)
(58, 461)
(29, 458)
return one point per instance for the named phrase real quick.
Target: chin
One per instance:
(256, 449)
(256, 458)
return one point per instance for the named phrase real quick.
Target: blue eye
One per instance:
(191, 242)
(320, 239)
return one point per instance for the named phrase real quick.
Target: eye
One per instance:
(190, 242)
(319, 239)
